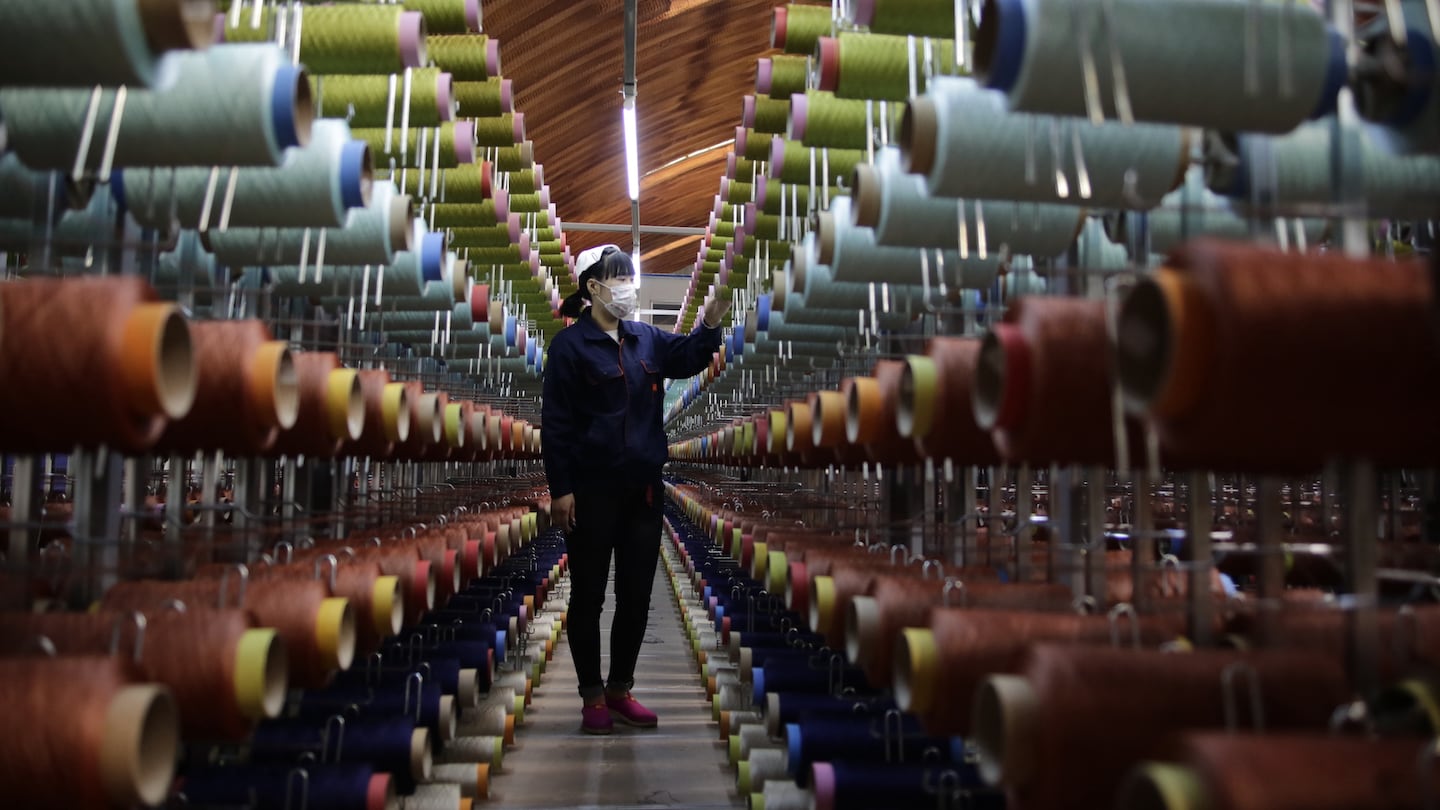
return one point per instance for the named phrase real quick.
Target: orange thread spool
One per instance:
(870, 414)
(953, 433)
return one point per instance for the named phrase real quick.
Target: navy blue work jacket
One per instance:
(602, 411)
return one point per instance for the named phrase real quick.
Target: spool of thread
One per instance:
(484, 99)
(383, 426)
(448, 16)
(818, 118)
(902, 213)
(1226, 326)
(935, 403)
(103, 43)
(1405, 639)
(318, 630)
(1048, 351)
(1024, 50)
(853, 256)
(469, 183)
(75, 235)
(877, 66)
(366, 101)
(796, 27)
(121, 368)
(392, 745)
(246, 391)
(188, 267)
(1149, 694)
(500, 130)
(515, 158)
(966, 144)
(790, 162)
(472, 749)
(769, 194)
(457, 146)
(850, 785)
(765, 114)
(485, 236)
(313, 187)
(469, 57)
(371, 235)
(223, 672)
(933, 18)
(870, 414)
(1248, 772)
(782, 75)
(331, 407)
(361, 39)
(1288, 174)
(325, 787)
(27, 194)
(97, 736)
(405, 275)
(232, 106)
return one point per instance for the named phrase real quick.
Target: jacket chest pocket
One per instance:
(604, 386)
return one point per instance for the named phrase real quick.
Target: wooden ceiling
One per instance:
(695, 62)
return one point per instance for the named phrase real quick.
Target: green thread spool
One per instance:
(457, 145)
(485, 99)
(372, 235)
(818, 118)
(781, 76)
(764, 226)
(769, 195)
(725, 210)
(312, 187)
(468, 57)
(402, 276)
(83, 43)
(549, 246)
(713, 255)
(220, 109)
(752, 145)
(743, 167)
(346, 38)
(365, 100)
(903, 214)
(966, 144)
(470, 216)
(503, 130)
(765, 114)
(546, 234)
(719, 242)
(930, 18)
(523, 182)
(1186, 62)
(1392, 185)
(710, 268)
(724, 229)
(496, 255)
(736, 192)
(462, 184)
(448, 16)
(551, 260)
(515, 158)
(526, 204)
(795, 27)
(472, 237)
(877, 66)
(790, 163)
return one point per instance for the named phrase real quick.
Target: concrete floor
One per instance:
(680, 764)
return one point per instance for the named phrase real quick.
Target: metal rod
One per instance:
(657, 230)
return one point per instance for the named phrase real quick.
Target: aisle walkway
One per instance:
(680, 764)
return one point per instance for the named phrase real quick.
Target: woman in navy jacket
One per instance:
(604, 446)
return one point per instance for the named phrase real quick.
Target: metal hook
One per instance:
(1126, 610)
(953, 584)
(304, 782)
(1232, 710)
(244, 574)
(117, 631)
(334, 569)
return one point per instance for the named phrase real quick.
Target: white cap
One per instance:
(590, 257)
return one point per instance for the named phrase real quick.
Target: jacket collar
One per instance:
(591, 330)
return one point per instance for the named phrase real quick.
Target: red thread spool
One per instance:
(440, 450)
(331, 409)
(1284, 772)
(1049, 712)
(1407, 642)
(935, 403)
(417, 578)
(318, 629)
(375, 597)
(222, 671)
(93, 361)
(92, 735)
(427, 421)
(246, 391)
(1235, 354)
(1043, 383)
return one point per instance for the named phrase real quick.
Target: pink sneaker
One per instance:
(628, 710)
(596, 720)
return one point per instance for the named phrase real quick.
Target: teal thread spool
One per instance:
(514, 158)
(1209, 63)
(26, 193)
(84, 43)
(365, 101)
(961, 138)
(1096, 253)
(78, 232)
(1299, 173)
(877, 66)
(457, 145)
(503, 130)
(231, 106)
(351, 39)
(795, 27)
(467, 57)
(471, 216)
(313, 187)
(188, 266)
(765, 114)
(436, 296)
(448, 16)
(903, 214)
(790, 163)
(782, 75)
(930, 18)
(853, 256)
(497, 236)
(402, 276)
(485, 99)
(462, 184)
(815, 295)
(819, 118)
(371, 235)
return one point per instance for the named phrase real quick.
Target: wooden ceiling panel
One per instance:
(695, 61)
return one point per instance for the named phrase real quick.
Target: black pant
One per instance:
(623, 520)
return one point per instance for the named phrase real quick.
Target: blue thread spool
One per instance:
(866, 739)
(856, 786)
(275, 787)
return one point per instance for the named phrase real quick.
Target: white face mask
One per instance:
(622, 301)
